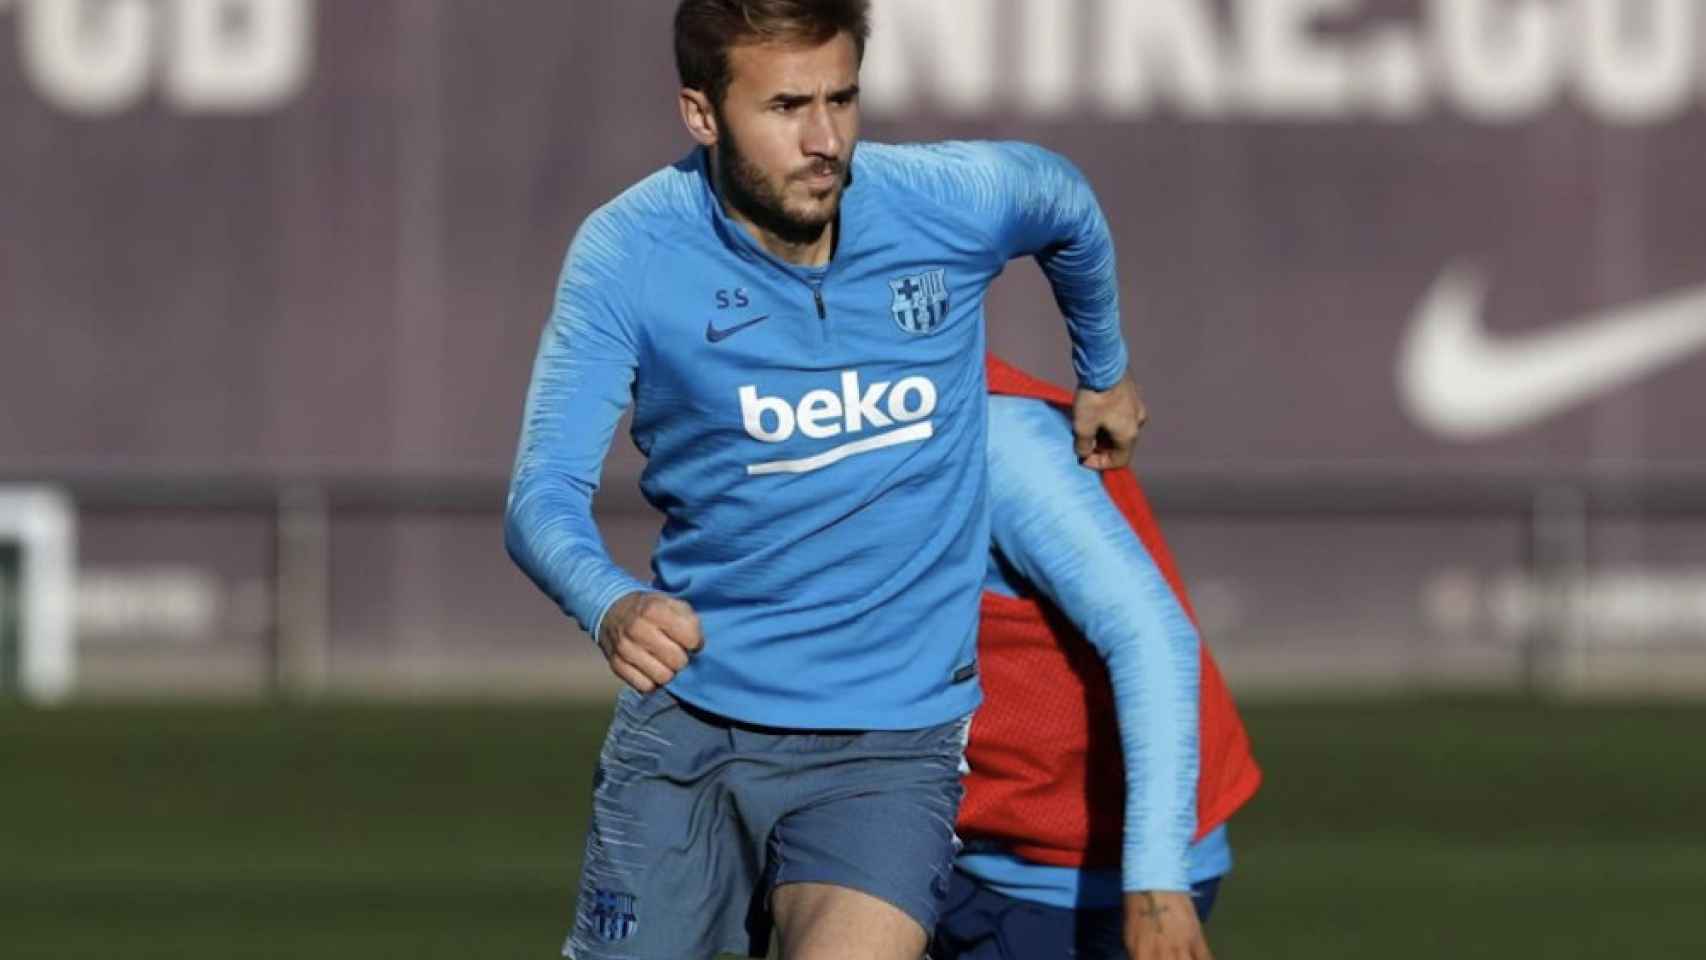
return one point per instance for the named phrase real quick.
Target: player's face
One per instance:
(787, 128)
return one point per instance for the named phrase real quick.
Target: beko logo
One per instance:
(99, 57)
(900, 409)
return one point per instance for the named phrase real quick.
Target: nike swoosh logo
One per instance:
(1460, 381)
(713, 335)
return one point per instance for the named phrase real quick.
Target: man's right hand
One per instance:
(1163, 925)
(648, 638)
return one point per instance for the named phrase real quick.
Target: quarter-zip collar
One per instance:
(736, 238)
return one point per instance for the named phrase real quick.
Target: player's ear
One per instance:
(701, 120)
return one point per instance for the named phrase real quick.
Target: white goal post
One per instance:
(38, 571)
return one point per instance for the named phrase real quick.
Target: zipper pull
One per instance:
(817, 296)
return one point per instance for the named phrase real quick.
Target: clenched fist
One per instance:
(648, 639)
(1105, 424)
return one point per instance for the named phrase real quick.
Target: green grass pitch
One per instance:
(1426, 829)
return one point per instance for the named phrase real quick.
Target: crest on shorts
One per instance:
(920, 302)
(613, 916)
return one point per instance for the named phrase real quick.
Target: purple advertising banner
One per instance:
(1430, 240)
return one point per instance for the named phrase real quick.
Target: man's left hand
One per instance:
(1105, 424)
(1162, 925)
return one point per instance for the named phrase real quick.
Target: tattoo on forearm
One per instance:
(1151, 909)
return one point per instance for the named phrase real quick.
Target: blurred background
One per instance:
(1416, 292)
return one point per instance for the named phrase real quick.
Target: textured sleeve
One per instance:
(582, 382)
(1040, 205)
(1054, 523)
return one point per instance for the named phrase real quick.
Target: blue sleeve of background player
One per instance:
(1053, 522)
(1041, 206)
(582, 382)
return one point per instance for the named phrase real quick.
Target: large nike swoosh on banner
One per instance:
(1458, 380)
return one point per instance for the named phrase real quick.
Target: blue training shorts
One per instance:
(696, 818)
(979, 924)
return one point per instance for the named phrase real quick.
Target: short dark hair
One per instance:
(706, 29)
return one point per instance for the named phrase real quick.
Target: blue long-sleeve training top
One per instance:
(814, 436)
(1056, 532)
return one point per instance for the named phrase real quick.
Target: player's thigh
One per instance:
(671, 869)
(876, 819)
(980, 924)
(818, 921)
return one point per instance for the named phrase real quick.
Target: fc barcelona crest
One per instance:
(920, 303)
(613, 915)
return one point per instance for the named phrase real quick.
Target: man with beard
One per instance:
(799, 329)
